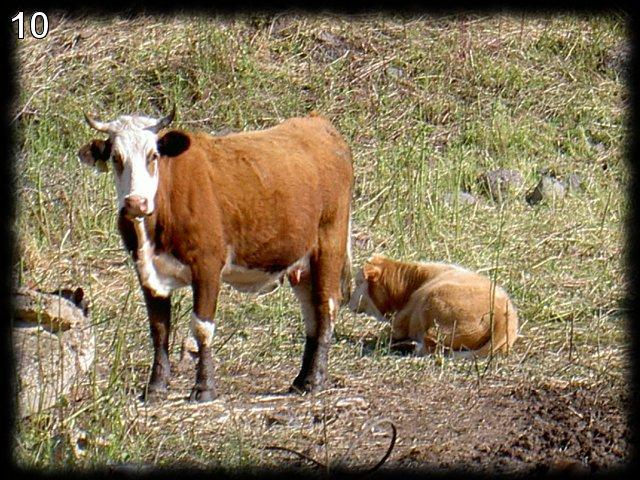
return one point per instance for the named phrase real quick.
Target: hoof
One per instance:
(200, 396)
(306, 386)
(404, 347)
(153, 393)
(295, 389)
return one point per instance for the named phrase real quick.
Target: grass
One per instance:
(427, 104)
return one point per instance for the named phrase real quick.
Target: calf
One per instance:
(248, 209)
(436, 303)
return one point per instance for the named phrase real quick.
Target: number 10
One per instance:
(37, 33)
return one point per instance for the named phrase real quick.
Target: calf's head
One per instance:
(370, 295)
(132, 149)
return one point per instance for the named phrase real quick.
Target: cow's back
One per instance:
(269, 190)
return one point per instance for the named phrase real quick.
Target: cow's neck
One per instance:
(158, 269)
(400, 280)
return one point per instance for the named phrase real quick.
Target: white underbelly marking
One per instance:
(159, 273)
(257, 281)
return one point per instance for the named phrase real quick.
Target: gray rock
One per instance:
(53, 344)
(462, 198)
(395, 71)
(223, 132)
(330, 38)
(329, 47)
(499, 184)
(574, 182)
(617, 59)
(548, 188)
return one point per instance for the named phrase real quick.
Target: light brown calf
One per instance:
(436, 304)
(248, 209)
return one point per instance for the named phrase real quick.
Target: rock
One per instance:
(500, 183)
(395, 72)
(223, 132)
(618, 59)
(329, 47)
(53, 343)
(463, 198)
(547, 188)
(574, 182)
(329, 38)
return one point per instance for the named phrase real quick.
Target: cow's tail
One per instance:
(345, 278)
(505, 333)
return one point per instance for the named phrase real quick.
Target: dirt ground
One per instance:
(491, 426)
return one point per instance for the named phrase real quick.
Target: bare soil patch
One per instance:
(488, 426)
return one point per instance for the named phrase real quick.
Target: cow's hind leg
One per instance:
(320, 297)
(206, 282)
(159, 312)
(303, 292)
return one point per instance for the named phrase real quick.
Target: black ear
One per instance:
(78, 295)
(95, 153)
(173, 143)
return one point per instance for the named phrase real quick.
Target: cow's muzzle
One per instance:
(136, 206)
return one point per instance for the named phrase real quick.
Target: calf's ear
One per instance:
(95, 154)
(173, 143)
(371, 272)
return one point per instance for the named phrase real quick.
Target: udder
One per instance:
(259, 281)
(250, 280)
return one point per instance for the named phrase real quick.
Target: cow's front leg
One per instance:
(159, 312)
(206, 282)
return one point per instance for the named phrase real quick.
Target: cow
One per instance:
(247, 209)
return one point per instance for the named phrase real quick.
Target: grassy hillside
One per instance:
(427, 104)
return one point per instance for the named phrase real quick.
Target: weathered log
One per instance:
(53, 345)
(53, 312)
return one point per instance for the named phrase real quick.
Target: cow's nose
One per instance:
(135, 205)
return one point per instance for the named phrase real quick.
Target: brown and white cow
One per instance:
(246, 208)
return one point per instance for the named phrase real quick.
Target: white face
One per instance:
(134, 156)
(361, 302)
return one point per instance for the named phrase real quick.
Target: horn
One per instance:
(164, 121)
(93, 123)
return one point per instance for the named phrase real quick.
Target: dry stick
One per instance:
(494, 285)
(295, 452)
(226, 340)
(374, 199)
(477, 371)
(394, 434)
(571, 339)
(385, 457)
(382, 203)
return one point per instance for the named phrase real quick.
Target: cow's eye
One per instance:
(153, 157)
(117, 162)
